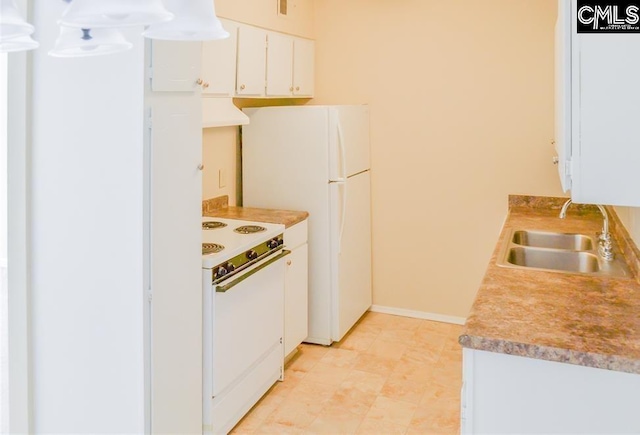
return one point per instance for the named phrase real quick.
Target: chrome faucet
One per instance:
(605, 248)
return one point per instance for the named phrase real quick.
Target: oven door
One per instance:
(248, 321)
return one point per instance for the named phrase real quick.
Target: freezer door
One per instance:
(351, 252)
(348, 141)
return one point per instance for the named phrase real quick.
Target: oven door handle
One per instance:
(229, 286)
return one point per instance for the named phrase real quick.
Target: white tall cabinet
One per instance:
(597, 112)
(174, 194)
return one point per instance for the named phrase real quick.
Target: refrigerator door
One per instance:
(351, 252)
(348, 141)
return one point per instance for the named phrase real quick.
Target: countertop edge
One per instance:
(567, 356)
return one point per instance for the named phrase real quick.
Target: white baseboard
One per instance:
(418, 314)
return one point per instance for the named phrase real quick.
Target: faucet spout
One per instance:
(563, 211)
(605, 247)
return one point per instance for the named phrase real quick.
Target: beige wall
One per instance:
(461, 96)
(220, 151)
(264, 13)
(630, 217)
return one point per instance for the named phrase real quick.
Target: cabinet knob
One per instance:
(199, 82)
(291, 89)
(242, 87)
(297, 88)
(553, 142)
(200, 167)
(555, 160)
(205, 85)
(289, 263)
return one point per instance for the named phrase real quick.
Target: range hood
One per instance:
(221, 112)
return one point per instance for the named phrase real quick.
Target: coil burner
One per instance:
(212, 225)
(249, 229)
(211, 248)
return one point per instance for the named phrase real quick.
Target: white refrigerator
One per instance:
(316, 158)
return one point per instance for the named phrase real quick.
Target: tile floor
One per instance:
(389, 375)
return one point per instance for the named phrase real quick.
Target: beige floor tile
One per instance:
(413, 370)
(358, 340)
(327, 374)
(400, 335)
(376, 427)
(358, 391)
(392, 411)
(312, 392)
(336, 420)
(295, 414)
(443, 417)
(386, 349)
(404, 390)
(278, 428)
(375, 364)
(340, 357)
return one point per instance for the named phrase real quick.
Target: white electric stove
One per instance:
(243, 318)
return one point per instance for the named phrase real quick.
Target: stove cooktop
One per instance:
(234, 242)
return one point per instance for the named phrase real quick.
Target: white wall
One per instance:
(86, 237)
(630, 217)
(220, 151)
(4, 338)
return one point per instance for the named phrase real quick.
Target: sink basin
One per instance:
(557, 252)
(568, 261)
(540, 239)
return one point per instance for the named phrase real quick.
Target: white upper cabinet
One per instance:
(252, 61)
(303, 67)
(219, 63)
(279, 65)
(290, 66)
(175, 66)
(597, 110)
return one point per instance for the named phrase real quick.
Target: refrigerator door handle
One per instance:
(344, 215)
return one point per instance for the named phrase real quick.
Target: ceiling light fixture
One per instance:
(90, 14)
(194, 20)
(74, 42)
(14, 30)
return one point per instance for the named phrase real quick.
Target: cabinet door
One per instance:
(219, 63)
(174, 181)
(303, 67)
(279, 65)
(175, 66)
(296, 298)
(252, 60)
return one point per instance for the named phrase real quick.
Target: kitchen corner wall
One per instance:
(630, 217)
(461, 96)
(220, 154)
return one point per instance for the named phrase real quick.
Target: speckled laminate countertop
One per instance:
(219, 207)
(571, 318)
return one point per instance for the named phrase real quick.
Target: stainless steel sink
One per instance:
(540, 258)
(557, 252)
(541, 239)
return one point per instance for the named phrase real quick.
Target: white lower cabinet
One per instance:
(296, 287)
(511, 394)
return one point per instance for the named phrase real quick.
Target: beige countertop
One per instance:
(587, 320)
(218, 207)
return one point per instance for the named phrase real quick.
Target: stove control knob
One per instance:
(230, 267)
(272, 244)
(220, 271)
(280, 241)
(252, 255)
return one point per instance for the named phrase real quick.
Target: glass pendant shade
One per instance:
(12, 25)
(74, 42)
(20, 43)
(92, 14)
(195, 20)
